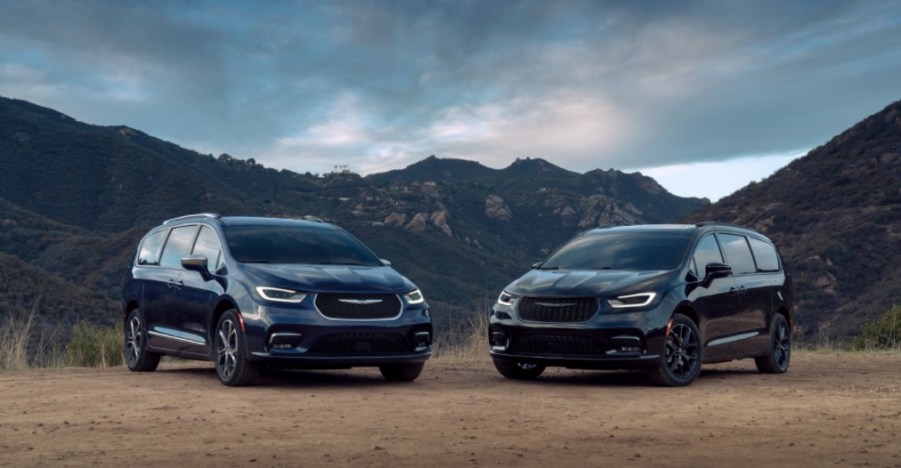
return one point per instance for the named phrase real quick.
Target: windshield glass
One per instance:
(297, 245)
(606, 250)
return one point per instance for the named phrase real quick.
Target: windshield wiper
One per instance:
(549, 268)
(255, 260)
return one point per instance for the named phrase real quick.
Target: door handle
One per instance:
(733, 291)
(176, 284)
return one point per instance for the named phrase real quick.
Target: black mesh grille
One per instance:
(558, 345)
(557, 309)
(358, 306)
(360, 343)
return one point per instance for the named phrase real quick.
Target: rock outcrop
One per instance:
(495, 208)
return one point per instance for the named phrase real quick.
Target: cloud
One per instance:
(381, 84)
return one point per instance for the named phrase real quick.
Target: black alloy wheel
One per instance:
(682, 355)
(137, 357)
(778, 355)
(232, 365)
(518, 370)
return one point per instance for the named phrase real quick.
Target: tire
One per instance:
(137, 357)
(230, 352)
(406, 372)
(779, 352)
(682, 356)
(518, 370)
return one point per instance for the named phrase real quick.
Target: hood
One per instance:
(330, 278)
(587, 282)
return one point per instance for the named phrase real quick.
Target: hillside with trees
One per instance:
(836, 216)
(75, 198)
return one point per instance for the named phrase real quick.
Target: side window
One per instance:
(207, 245)
(178, 246)
(738, 254)
(706, 252)
(765, 255)
(149, 252)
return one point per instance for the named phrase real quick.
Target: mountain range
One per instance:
(75, 198)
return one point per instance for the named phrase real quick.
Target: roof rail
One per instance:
(312, 218)
(718, 223)
(195, 215)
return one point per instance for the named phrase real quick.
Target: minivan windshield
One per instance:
(296, 245)
(611, 250)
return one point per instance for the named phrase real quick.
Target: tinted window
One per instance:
(149, 253)
(178, 246)
(706, 252)
(603, 250)
(297, 244)
(207, 245)
(765, 255)
(738, 255)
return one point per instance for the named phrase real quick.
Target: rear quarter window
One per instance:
(764, 254)
(149, 251)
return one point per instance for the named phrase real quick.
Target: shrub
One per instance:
(93, 346)
(885, 333)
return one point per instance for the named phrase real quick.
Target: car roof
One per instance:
(262, 221)
(703, 227)
(247, 220)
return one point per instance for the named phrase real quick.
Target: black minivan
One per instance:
(663, 298)
(249, 292)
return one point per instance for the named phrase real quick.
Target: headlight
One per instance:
(414, 297)
(280, 295)
(632, 300)
(506, 299)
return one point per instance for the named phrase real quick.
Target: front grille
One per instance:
(360, 343)
(358, 306)
(570, 345)
(557, 309)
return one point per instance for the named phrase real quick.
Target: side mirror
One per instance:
(385, 262)
(716, 270)
(198, 264)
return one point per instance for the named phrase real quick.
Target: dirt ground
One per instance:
(830, 409)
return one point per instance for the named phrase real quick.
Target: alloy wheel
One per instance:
(227, 348)
(681, 351)
(781, 345)
(134, 340)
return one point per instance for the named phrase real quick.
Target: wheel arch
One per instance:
(688, 311)
(131, 305)
(782, 310)
(221, 307)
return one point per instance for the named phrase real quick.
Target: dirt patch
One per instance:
(830, 409)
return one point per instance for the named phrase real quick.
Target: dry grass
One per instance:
(14, 336)
(465, 343)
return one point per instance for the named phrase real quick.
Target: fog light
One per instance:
(498, 340)
(625, 345)
(283, 340)
(422, 340)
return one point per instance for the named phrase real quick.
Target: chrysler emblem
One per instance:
(554, 304)
(360, 301)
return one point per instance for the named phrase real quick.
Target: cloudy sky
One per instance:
(703, 96)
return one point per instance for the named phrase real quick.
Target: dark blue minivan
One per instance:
(249, 292)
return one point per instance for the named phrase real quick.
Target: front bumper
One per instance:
(608, 340)
(303, 338)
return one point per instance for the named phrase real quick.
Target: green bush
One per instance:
(882, 334)
(93, 346)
